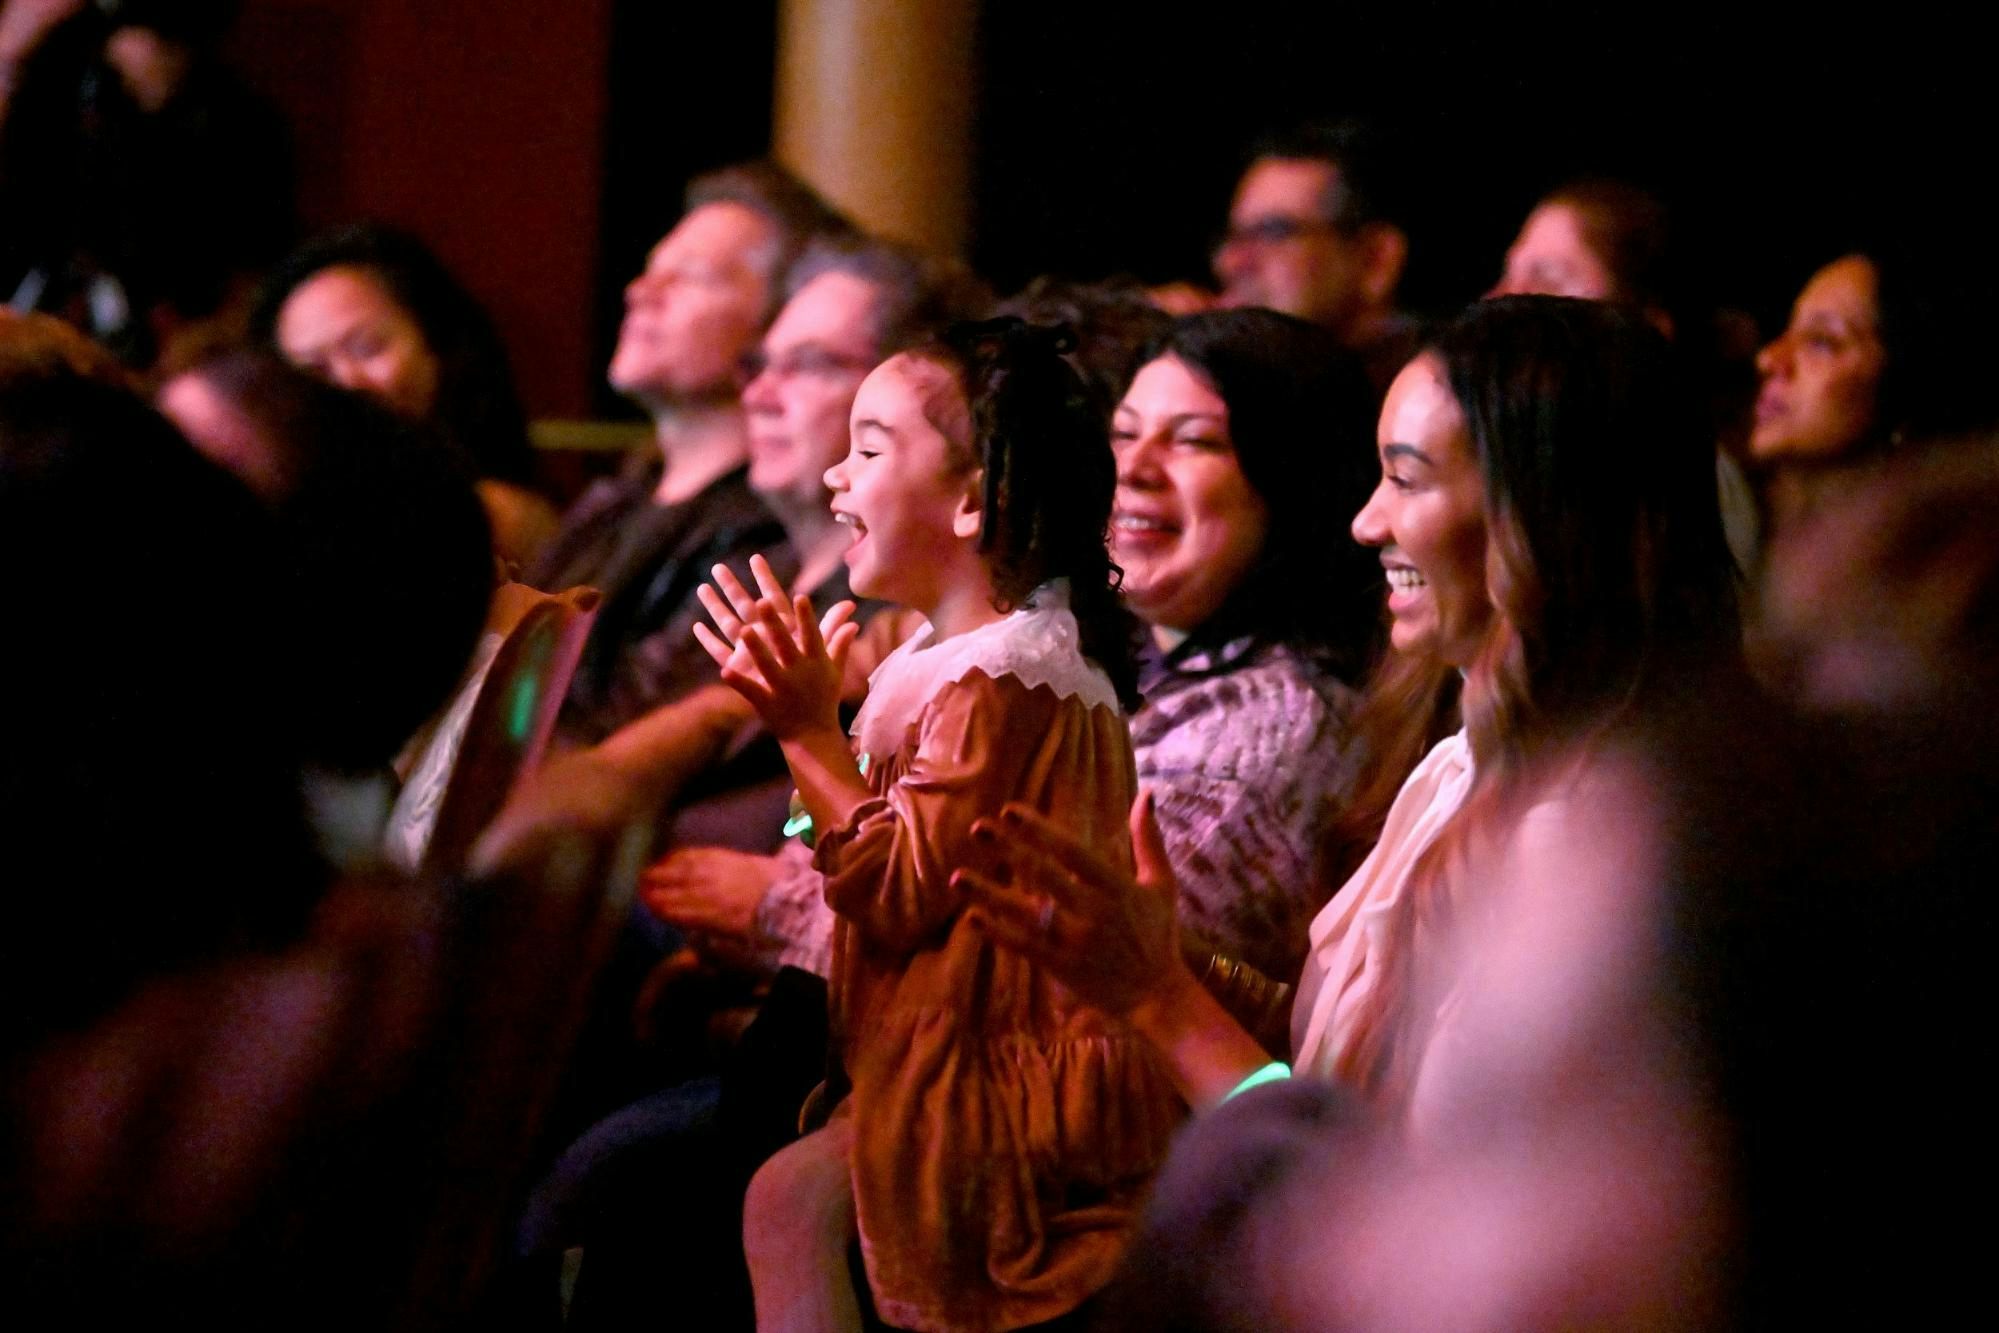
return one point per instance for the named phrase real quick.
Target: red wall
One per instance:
(479, 125)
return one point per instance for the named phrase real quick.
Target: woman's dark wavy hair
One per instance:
(1040, 439)
(478, 411)
(1613, 593)
(1605, 558)
(1301, 418)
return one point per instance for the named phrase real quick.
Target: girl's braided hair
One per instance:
(1049, 477)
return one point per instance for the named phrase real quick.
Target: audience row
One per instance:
(987, 719)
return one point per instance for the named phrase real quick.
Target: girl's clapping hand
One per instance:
(775, 653)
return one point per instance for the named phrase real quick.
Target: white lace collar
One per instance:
(1038, 644)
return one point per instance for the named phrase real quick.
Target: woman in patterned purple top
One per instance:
(1242, 441)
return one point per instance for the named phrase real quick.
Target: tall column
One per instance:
(874, 109)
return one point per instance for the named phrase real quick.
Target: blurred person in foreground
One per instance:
(232, 1078)
(387, 567)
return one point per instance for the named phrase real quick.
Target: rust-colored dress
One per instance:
(1004, 1131)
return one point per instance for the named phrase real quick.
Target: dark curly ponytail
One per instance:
(1049, 479)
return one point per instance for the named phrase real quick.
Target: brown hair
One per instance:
(1048, 477)
(1610, 581)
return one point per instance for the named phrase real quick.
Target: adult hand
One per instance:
(774, 653)
(712, 894)
(1109, 937)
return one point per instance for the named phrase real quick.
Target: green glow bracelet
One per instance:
(1270, 1073)
(799, 825)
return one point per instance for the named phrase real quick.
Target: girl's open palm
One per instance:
(785, 661)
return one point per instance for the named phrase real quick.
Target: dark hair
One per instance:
(1935, 302)
(477, 411)
(1049, 479)
(388, 555)
(1605, 556)
(1113, 321)
(192, 22)
(792, 208)
(153, 737)
(916, 295)
(1301, 418)
(1611, 585)
(1365, 190)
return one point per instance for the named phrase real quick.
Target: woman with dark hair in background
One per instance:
(373, 310)
(1888, 347)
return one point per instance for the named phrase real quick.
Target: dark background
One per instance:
(1111, 133)
(542, 145)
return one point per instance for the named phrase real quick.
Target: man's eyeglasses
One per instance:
(1274, 230)
(805, 360)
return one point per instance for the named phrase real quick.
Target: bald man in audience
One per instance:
(1315, 232)
(649, 537)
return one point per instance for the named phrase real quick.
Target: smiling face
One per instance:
(1822, 375)
(905, 489)
(1551, 257)
(342, 325)
(1185, 525)
(1428, 517)
(694, 312)
(799, 403)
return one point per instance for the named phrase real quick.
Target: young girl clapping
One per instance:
(998, 1133)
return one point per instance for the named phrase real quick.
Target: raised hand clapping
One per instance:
(786, 662)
